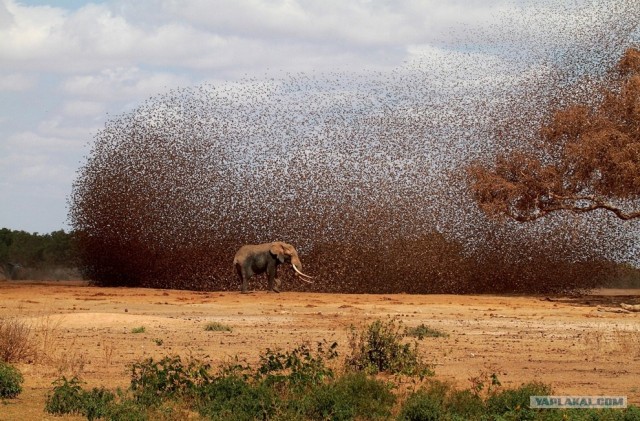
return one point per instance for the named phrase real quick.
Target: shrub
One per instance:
(514, 400)
(97, 403)
(234, 397)
(140, 329)
(439, 400)
(352, 396)
(465, 404)
(217, 327)
(67, 397)
(15, 340)
(299, 368)
(422, 406)
(169, 377)
(126, 410)
(10, 381)
(380, 349)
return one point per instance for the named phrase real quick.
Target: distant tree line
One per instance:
(21, 250)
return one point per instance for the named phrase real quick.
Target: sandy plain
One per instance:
(579, 345)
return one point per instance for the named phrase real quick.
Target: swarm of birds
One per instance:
(362, 172)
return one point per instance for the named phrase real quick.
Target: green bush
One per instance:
(352, 396)
(10, 381)
(465, 405)
(515, 400)
(380, 349)
(296, 385)
(632, 413)
(168, 378)
(126, 410)
(422, 406)
(235, 398)
(97, 403)
(299, 369)
(67, 397)
(439, 400)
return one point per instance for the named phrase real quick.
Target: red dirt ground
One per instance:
(577, 345)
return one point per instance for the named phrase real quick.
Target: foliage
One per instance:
(351, 396)
(380, 348)
(66, 398)
(170, 377)
(10, 381)
(484, 384)
(233, 397)
(295, 385)
(587, 158)
(422, 406)
(96, 403)
(512, 401)
(440, 401)
(56, 249)
(217, 327)
(139, 329)
(125, 409)
(299, 368)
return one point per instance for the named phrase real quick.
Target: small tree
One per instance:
(588, 158)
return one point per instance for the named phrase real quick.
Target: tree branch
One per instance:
(569, 203)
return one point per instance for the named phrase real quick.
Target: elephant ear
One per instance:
(277, 250)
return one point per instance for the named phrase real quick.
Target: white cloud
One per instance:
(29, 33)
(16, 82)
(199, 34)
(76, 108)
(121, 84)
(28, 142)
(35, 169)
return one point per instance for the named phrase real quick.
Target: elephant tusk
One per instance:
(301, 274)
(300, 278)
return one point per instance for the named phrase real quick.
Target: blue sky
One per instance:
(67, 65)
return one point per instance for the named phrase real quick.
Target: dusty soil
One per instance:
(577, 345)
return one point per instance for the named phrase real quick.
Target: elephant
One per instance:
(253, 259)
(12, 271)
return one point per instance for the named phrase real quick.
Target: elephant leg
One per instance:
(274, 283)
(244, 278)
(276, 287)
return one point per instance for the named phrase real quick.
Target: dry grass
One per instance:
(107, 350)
(71, 362)
(48, 343)
(39, 342)
(16, 340)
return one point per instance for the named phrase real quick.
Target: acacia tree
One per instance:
(587, 158)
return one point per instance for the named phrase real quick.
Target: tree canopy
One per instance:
(587, 157)
(36, 250)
